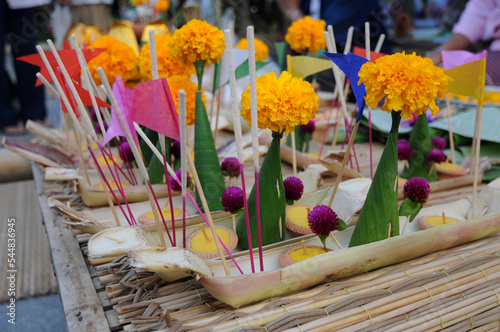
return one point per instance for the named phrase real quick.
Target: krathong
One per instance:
(119, 59)
(261, 49)
(409, 85)
(282, 103)
(306, 34)
(168, 66)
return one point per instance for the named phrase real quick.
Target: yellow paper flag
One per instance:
(468, 79)
(303, 65)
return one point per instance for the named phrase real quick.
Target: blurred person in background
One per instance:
(91, 12)
(17, 26)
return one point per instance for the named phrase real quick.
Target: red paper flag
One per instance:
(68, 57)
(362, 53)
(154, 108)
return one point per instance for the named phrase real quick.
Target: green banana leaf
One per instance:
(420, 141)
(146, 151)
(205, 159)
(381, 205)
(272, 201)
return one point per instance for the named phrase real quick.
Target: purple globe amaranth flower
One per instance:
(417, 189)
(125, 152)
(308, 128)
(436, 156)
(231, 167)
(403, 141)
(176, 186)
(93, 115)
(404, 151)
(232, 199)
(294, 188)
(322, 220)
(439, 143)
(175, 149)
(98, 128)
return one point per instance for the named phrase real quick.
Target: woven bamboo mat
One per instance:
(35, 275)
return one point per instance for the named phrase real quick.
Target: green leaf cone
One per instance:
(205, 159)
(381, 205)
(146, 151)
(420, 141)
(272, 201)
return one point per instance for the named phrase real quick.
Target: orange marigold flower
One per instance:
(306, 34)
(167, 65)
(179, 82)
(282, 103)
(261, 49)
(197, 41)
(119, 59)
(408, 82)
(162, 5)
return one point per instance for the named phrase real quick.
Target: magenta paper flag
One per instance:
(124, 98)
(457, 58)
(154, 108)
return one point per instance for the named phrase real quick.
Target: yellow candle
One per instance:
(298, 215)
(440, 221)
(113, 185)
(298, 254)
(448, 166)
(166, 214)
(200, 244)
(102, 162)
(312, 155)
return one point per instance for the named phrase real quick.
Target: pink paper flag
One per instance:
(153, 107)
(124, 98)
(457, 58)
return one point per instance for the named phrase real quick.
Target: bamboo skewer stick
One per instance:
(335, 240)
(183, 137)
(255, 135)
(476, 161)
(474, 139)
(239, 139)
(142, 168)
(450, 129)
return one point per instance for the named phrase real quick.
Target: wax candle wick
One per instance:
(204, 233)
(444, 219)
(304, 247)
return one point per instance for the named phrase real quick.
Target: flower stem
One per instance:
(199, 65)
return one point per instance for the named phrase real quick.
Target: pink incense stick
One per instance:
(184, 221)
(247, 217)
(128, 165)
(169, 197)
(259, 233)
(161, 213)
(119, 187)
(118, 170)
(109, 186)
(370, 140)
